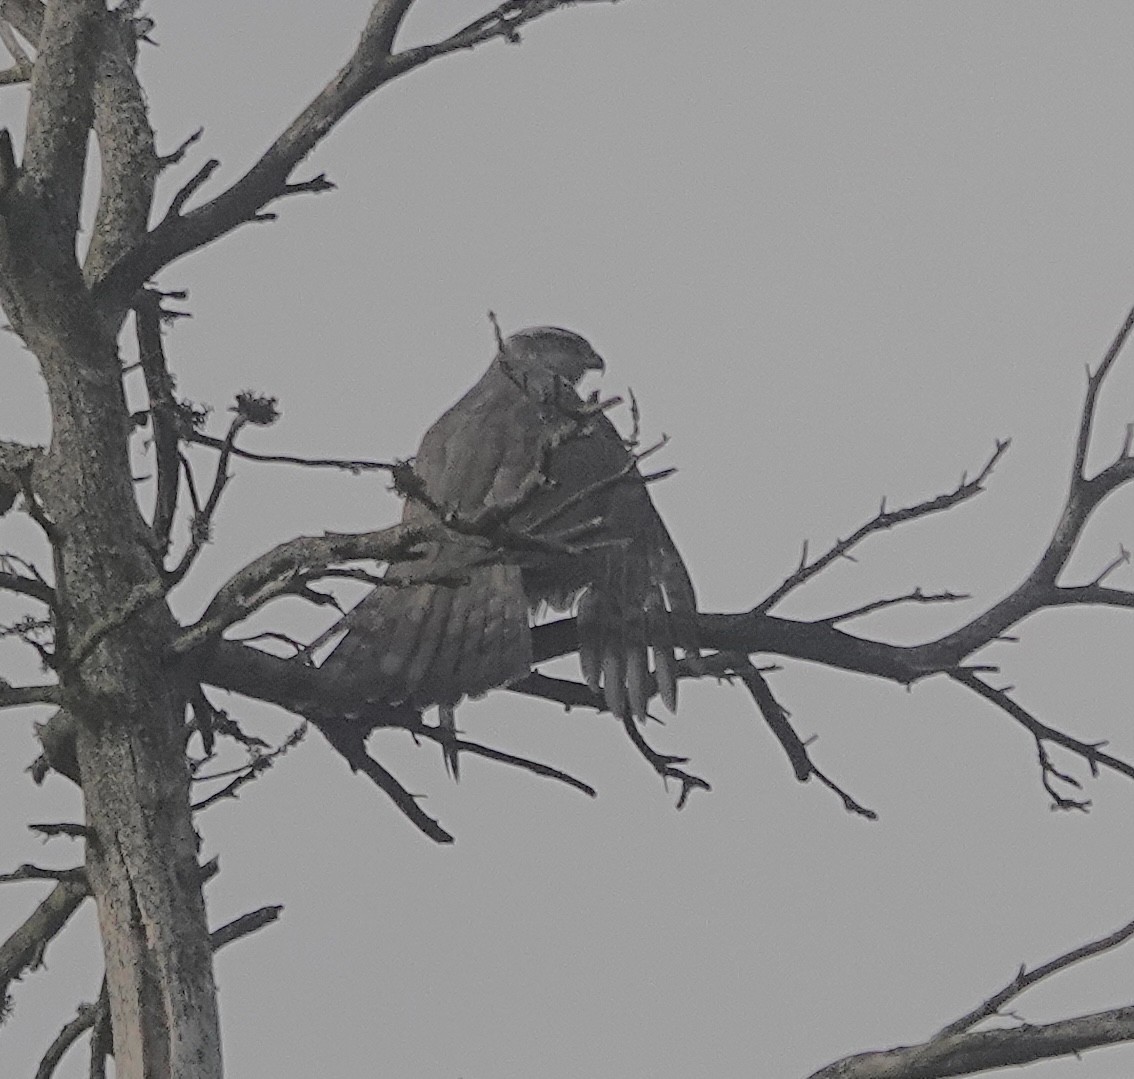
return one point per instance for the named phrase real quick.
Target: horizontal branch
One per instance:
(305, 689)
(17, 696)
(288, 566)
(983, 1050)
(17, 73)
(345, 464)
(36, 872)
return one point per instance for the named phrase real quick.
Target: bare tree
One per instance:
(129, 680)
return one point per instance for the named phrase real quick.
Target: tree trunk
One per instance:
(112, 628)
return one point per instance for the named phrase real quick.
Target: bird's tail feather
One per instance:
(432, 644)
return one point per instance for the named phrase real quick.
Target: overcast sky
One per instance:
(836, 250)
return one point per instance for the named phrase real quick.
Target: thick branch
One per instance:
(956, 1050)
(371, 66)
(973, 1052)
(27, 586)
(60, 112)
(286, 566)
(130, 164)
(1039, 589)
(15, 696)
(24, 949)
(26, 16)
(382, 26)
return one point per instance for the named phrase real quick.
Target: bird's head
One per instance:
(548, 349)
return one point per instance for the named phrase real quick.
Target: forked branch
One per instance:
(957, 1049)
(883, 520)
(372, 65)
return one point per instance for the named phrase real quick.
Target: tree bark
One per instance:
(128, 704)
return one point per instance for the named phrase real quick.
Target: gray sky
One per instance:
(836, 250)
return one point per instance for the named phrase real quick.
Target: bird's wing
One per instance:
(445, 625)
(429, 642)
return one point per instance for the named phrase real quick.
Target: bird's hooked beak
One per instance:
(594, 363)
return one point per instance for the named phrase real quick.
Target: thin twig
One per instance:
(916, 596)
(203, 517)
(779, 723)
(175, 158)
(1094, 384)
(96, 1016)
(460, 745)
(370, 67)
(665, 764)
(353, 466)
(261, 761)
(882, 520)
(348, 740)
(190, 188)
(1025, 979)
(1092, 754)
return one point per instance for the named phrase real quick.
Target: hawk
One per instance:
(455, 621)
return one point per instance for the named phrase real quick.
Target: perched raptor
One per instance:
(455, 621)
